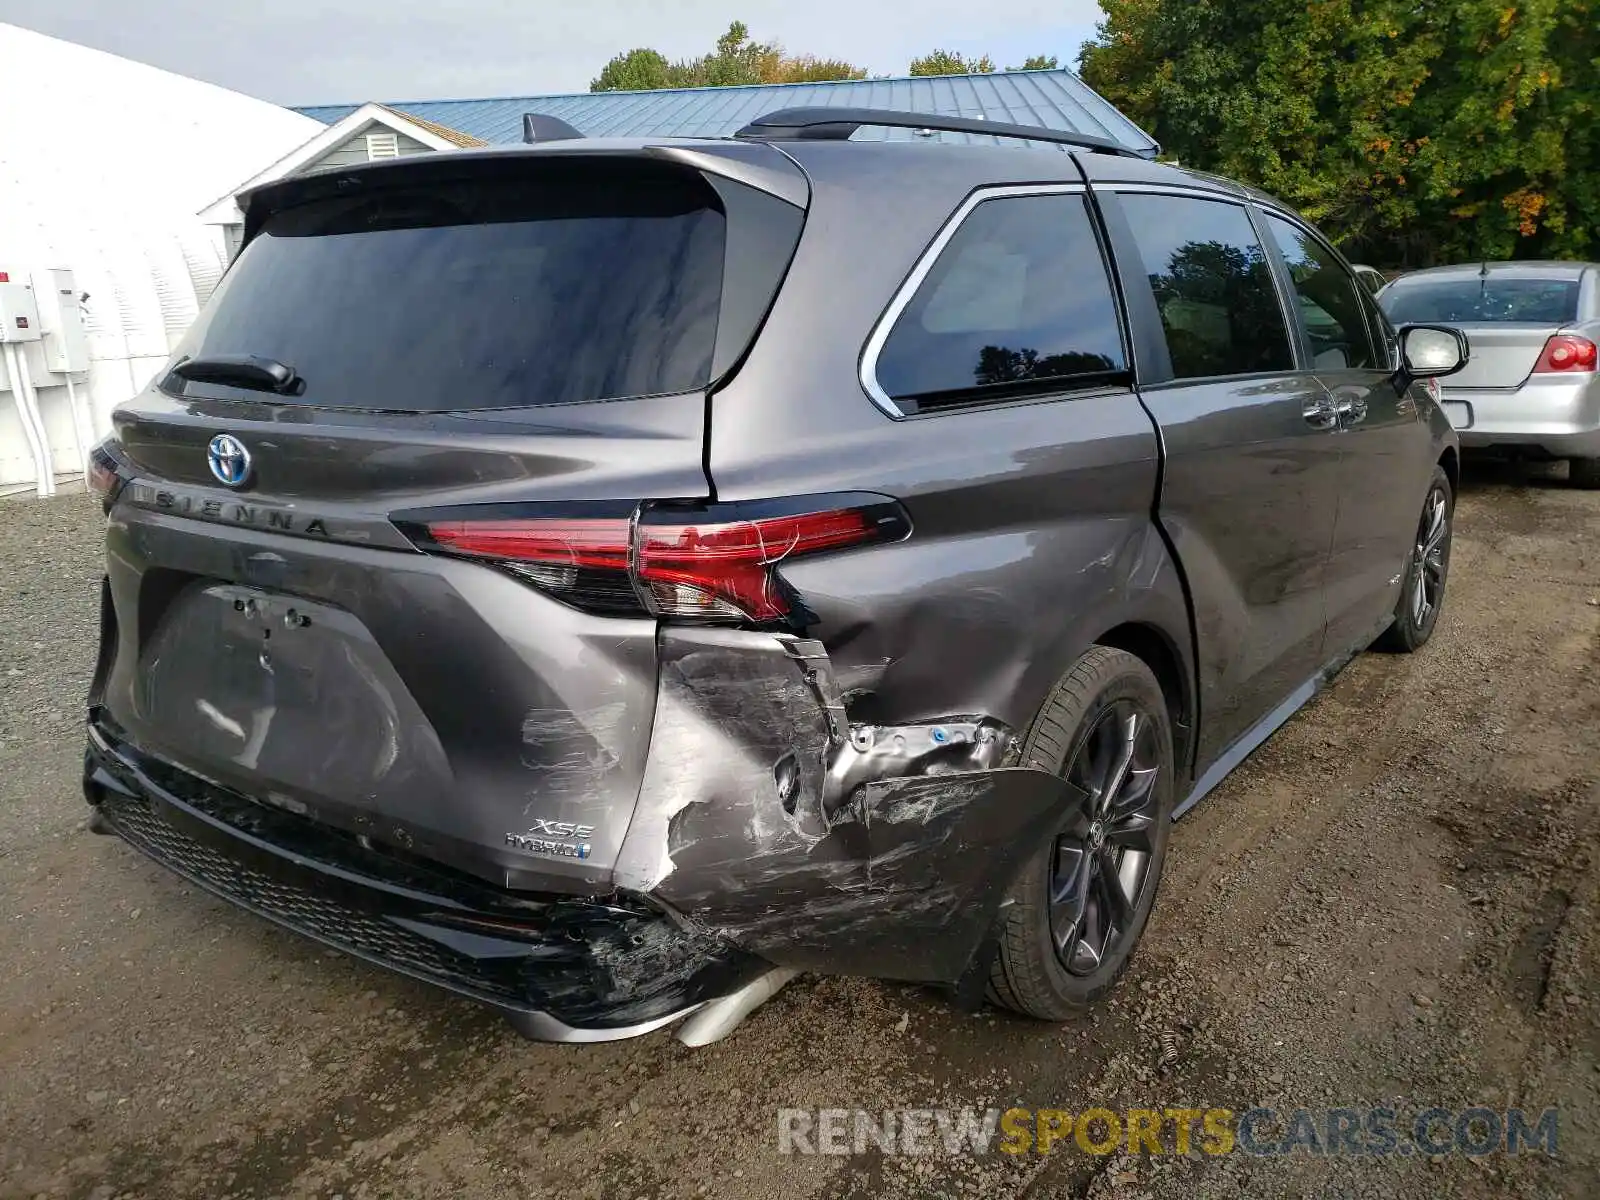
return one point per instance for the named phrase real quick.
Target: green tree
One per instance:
(948, 62)
(1413, 132)
(1037, 62)
(635, 71)
(736, 59)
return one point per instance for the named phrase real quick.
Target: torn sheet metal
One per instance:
(871, 856)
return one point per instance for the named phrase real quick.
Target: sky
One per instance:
(328, 51)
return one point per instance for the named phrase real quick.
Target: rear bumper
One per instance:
(1560, 416)
(761, 839)
(565, 969)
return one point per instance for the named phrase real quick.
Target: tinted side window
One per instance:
(1330, 301)
(1019, 301)
(1212, 284)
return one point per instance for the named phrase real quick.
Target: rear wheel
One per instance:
(1422, 593)
(1584, 472)
(1082, 901)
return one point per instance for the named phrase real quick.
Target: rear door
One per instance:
(527, 340)
(1384, 439)
(1251, 462)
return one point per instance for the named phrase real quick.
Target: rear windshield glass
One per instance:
(1481, 299)
(476, 295)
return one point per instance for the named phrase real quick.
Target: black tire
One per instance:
(1414, 621)
(1583, 472)
(1028, 974)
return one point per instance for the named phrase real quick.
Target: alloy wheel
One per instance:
(1101, 865)
(1433, 538)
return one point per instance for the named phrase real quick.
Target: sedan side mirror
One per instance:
(1432, 351)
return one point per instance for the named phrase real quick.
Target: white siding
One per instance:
(121, 218)
(353, 150)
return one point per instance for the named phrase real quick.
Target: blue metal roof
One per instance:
(1053, 99)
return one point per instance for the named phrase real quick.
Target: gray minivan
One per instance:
(592, 575)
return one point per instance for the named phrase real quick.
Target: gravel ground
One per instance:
(1393, 902)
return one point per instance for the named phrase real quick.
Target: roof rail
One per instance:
(537, 127)
(838, 124)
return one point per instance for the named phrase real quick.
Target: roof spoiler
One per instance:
(537, 127)
(838, 124)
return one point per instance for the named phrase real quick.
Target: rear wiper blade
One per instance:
(239, 370)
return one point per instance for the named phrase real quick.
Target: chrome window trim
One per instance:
(868, 372)
(1188, 191)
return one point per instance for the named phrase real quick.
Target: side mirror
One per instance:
(1432, 351)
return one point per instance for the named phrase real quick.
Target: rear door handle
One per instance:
(1321, 413)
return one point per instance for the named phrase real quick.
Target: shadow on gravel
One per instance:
(1483, 471)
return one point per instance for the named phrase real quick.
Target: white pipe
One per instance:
(47, 477)
(32, 428)
(719, 1018)
(82, 425)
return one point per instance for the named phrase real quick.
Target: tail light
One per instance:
(715, 569)
(102, 476)
(582, 560)
(712, 563)
(1567, 352)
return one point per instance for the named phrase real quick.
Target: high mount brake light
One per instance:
(1567, 352)
(713, 564)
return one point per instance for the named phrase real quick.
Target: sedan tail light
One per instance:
(713, 563)
(1567, 352)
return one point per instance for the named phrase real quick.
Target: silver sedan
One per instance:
(1531, 385)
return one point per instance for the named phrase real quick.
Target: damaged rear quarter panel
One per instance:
(899, 878)
(1032, 519)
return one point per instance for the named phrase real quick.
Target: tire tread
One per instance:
(1017, 978)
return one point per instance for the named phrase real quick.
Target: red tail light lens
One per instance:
(708, 571)
(1567, 352)
(716, 563)
(600, 543)
(582, 560)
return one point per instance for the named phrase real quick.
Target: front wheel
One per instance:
(1080, 905)
(1422, 592)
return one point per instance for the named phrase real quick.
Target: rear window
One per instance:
(1019, 302)
(1482, 299)
(595, 285)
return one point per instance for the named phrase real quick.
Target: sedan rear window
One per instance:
(592, 285)
(1482, 299)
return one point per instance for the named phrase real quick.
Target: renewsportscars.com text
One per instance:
(1374, 1132)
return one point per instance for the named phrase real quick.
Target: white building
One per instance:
(104, 164)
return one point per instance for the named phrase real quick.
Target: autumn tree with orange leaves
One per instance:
(1415, 133)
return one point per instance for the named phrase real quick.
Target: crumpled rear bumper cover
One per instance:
(769, 830)
(560, 968)
(821, 845)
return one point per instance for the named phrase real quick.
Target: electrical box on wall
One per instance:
(66, 345)
(19, 315)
